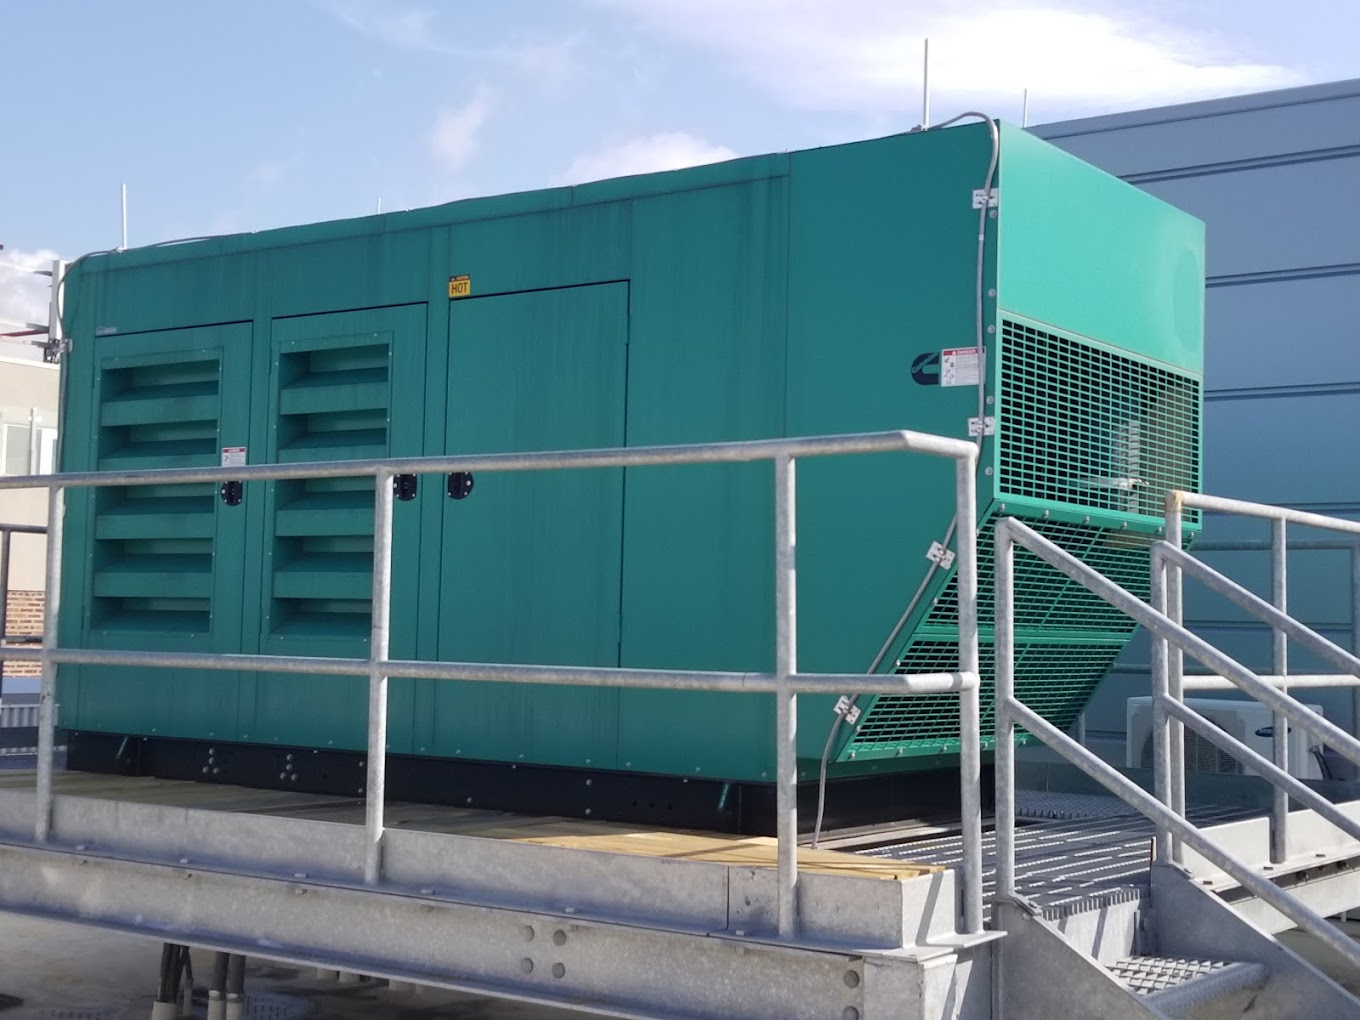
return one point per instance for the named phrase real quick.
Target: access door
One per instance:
(531, 561)
(157, 567)
(343, 386)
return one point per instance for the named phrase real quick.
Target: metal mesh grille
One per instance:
(1046, 598)
(1200, 756)
(1056, 680)
(1089, 427)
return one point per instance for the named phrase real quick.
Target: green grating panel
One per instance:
(1046, 598)
(1086, 426)
(1055, 679)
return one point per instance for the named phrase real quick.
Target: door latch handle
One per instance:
(404, 486)
(460, 484)
(231, 493)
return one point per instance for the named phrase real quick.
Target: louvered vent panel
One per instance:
(333, 404)
(153, 550)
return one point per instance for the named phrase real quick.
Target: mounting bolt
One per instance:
(851, 979)
(560, 971)
(526, 966)
(527, 932)
(850, 1012)
(559, 938)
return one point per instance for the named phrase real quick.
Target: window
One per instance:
(28, 449)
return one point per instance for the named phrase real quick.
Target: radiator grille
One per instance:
(1056, 680)
(1089, 427)
(1046, 598)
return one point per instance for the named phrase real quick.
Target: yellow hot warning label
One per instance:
(460, 286)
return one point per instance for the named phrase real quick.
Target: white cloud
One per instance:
(865, 55)
(24, 297)
(668, 151)
(402, 26)
(455, 135)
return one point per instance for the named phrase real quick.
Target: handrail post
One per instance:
(4, 599)
(1176, 672)
(1355, 633)
(47, 715)
(375, 788)
(1004, 594)
(970, 738)
(1279, 585)
(786, 701)
(1161, 720)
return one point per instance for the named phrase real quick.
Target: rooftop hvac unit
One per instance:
(1248, 721)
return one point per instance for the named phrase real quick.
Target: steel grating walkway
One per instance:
(1073, 852)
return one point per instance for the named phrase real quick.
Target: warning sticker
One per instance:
(960, 366)
(233, 456)
(460, 286)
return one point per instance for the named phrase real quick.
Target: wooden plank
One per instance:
(545, 830)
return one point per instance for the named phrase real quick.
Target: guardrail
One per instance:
(1169, 641)
(785, 682)
(1283, 627)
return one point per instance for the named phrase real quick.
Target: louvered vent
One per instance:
(333, 403)
(153, 550)
(1085, 426)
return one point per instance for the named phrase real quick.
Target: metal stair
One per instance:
(1117, 962)
(1179, 985)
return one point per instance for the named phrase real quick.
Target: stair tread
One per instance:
(1145, 975)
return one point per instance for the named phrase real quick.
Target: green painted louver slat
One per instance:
(143, 409)
(332, 404)
(153, 548)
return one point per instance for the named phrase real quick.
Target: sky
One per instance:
(236, 115)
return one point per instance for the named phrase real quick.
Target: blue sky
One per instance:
(230, 115)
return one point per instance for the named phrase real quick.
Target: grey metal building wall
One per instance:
(1276, 178)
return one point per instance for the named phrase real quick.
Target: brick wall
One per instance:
(25, 611)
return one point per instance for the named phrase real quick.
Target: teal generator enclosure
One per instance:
(825, 291)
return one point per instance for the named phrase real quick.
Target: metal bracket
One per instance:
(231, 492)
(991, 198)
(940, 555)
(849, 711)
(54, 349)
(460, 484)
(982, 426)
(404, 487)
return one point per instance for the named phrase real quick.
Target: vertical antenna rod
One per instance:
(925, 86)
(1024, 111)
(123, 246)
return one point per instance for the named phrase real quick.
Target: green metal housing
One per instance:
(784, 295)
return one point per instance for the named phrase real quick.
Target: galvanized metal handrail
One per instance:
(1283, 627)
(785, 682)
(1010, 713)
